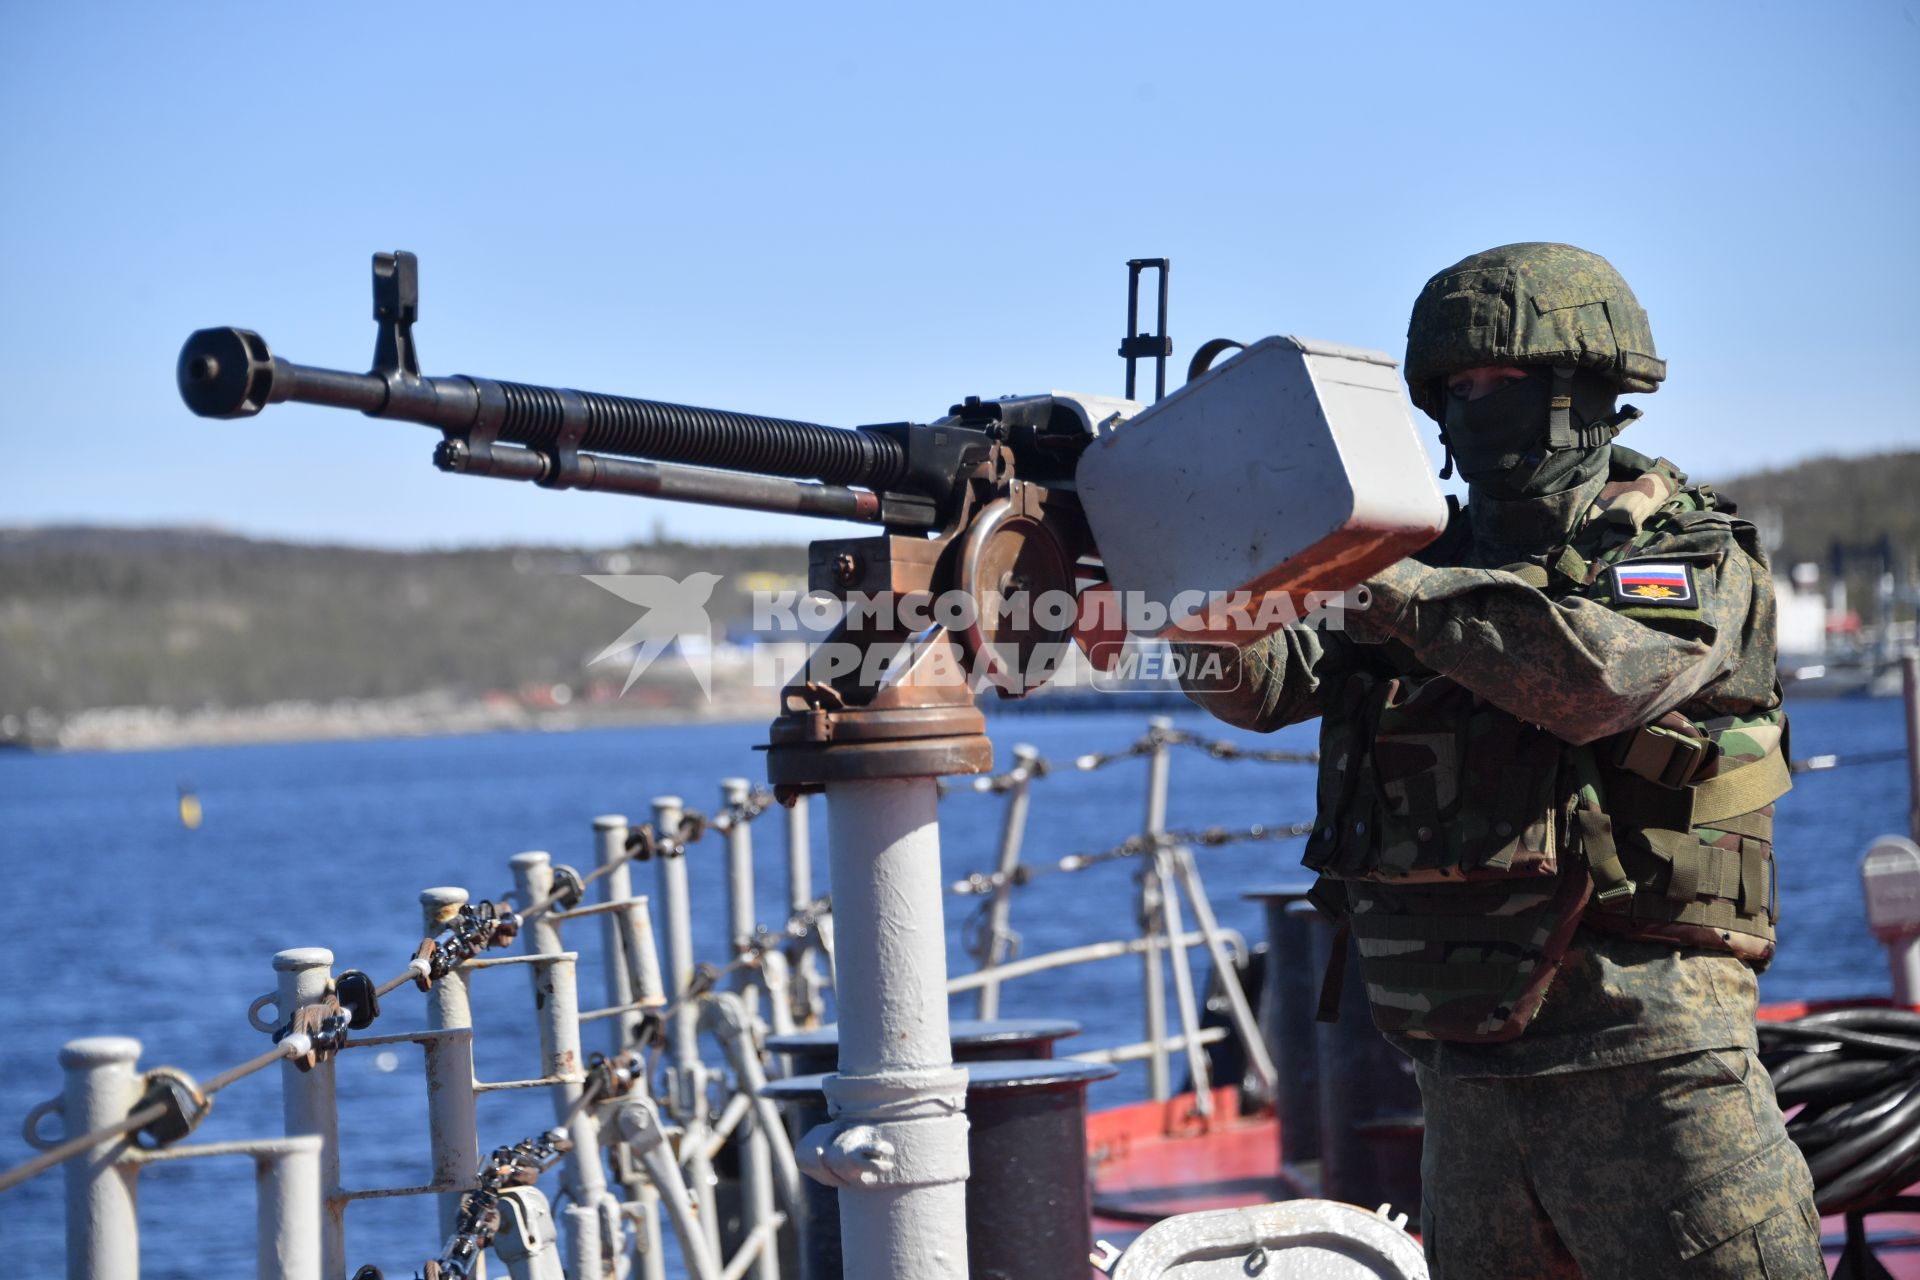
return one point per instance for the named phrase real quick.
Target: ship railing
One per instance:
(656, 1132)
(1169, 885)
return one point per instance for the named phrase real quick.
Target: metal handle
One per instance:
(253, 1013)
(30, 1130)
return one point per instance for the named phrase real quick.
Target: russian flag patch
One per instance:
(1645, 582)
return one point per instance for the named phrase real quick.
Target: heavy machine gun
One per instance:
(904, 476)
(980, 501)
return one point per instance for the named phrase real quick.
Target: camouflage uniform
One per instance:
(1532, 739)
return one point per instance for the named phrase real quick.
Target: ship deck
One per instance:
(1152, 1160)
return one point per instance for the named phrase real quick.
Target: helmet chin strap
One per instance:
(1561, 433)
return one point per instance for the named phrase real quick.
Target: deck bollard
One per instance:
(307, 1097)
(103, 1229)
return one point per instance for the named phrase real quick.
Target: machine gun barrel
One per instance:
(577, 439)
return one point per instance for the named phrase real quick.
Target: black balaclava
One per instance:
(1500, 440)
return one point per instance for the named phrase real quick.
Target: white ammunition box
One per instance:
(1293, 467)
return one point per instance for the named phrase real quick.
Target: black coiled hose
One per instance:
(664, 432)
(1855, 1075)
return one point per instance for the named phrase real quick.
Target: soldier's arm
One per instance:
(1576, 667)
(1277, 680)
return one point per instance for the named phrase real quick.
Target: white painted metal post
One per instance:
(1910, 692)
(1245, 1024)
(639, 1123)
(633, 974)
(526, 1238)
(1153, 929)
(103, 1229)
(1890, 885)
(453, 1134)
(556, 994)
(290, 1210)
(307, 1097)
(727, 1018)
(778, 979)
(756, 1173)
(897, 1147)
(609, 850)
(687, 1077)
(1183, 997)
(807, 1006)
(741, 917)
(730, 1017)
(1013, 831)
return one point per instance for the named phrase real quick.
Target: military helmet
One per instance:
(1529, 304)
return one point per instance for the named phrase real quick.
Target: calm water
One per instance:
(126, 923)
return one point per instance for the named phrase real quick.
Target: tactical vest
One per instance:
(1470, 844)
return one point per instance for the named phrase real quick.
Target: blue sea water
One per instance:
(123, 922)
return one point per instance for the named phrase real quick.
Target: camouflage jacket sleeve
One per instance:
(1575, 666)
(1277, 680)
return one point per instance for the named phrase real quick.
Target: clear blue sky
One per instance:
(853, 214)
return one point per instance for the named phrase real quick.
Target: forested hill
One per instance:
(184, 619)
(1824, 500)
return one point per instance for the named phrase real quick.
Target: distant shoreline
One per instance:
(434, 716)
(157, 729)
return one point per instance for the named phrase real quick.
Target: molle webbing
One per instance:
(1731, 797)
(1750, 787)
(1566, 571)
(1701, 852)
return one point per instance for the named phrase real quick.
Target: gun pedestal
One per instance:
(881, 712)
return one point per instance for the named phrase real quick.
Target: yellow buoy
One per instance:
(189, 810)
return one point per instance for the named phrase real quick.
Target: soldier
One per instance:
(1550, 747)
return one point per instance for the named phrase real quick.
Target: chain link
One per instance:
(1214, 748)
(981, 882)
(518, 1165)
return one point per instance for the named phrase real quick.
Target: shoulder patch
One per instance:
(1653, 582)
